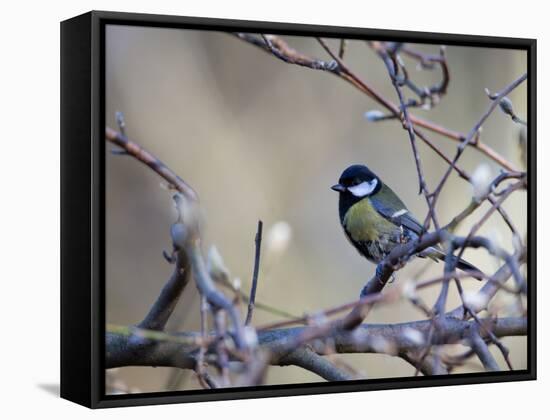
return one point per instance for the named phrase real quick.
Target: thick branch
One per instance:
(309, 360)
(482, 351)
(429, 365)
(136, 350)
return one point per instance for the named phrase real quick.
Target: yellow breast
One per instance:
(364, 223)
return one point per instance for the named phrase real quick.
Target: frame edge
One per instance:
(76, 262)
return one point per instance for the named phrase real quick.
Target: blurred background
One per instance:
(261, 139)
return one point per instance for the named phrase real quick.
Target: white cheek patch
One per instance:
(364, 188)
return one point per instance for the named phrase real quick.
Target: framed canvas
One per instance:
(255, 209)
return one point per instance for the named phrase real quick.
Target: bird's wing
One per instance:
(393, 209)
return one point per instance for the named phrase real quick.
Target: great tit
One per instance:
(375, 220)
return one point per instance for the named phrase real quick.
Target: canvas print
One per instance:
(284, 209)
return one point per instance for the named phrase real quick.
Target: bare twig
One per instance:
(221, 350)
(342, 71)
(384, 271)
(284, 52)
(487, 331)
(425, 364)
(200, 368)
(160, 312)
(313, 362)
(365, 300)
(488, 291)
(151, 161)
(475, 129)
(474, 204)
(207, 288)
(428, 61)
(342, 50)
(480, 348)
(506, 106)
(255, 273)
(392, 66)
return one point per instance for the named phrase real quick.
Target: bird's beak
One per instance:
(338, 188)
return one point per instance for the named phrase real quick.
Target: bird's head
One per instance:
(358, 181)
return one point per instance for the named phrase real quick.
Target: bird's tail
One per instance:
(438, 254)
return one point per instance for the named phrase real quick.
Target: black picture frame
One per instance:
(83, 208)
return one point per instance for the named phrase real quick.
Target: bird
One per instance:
(375, 220)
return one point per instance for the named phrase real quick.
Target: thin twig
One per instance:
(482, 350)
(152, 162)
(164, 306)
(342, 50)
(392, 65)
(368, 299)
(475, 129)
(255, 273)
(200, 369)
(342, 71)
(221, 350)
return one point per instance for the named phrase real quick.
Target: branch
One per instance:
(489, 290)
(309, 360)
(342, 71)
(429, 365)
(393, 67)
(495, 250)
(474, 131)
(160, 312)
(186, 242)
(133, 349)
(384, 271)
(186, 237)
(482, 350)
(284, 52)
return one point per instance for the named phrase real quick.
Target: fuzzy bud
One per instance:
(506, 106)
(277, 239)
(383, 345)
(414, 336)
(250, 336)
(374, 115)
(476, 301)
(481, 182)
(408, 291)
(215, 264)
